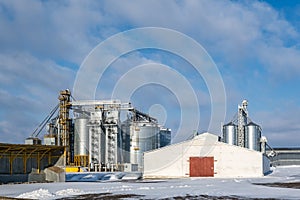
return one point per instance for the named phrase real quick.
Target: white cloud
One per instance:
(36, 35)
(234, 31)
(280, 125)
(26, 71)
(49, 29)
(28, 91)
(281, 61)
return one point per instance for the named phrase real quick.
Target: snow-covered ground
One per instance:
(166, 188)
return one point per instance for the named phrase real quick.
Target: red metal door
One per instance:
(201, 166)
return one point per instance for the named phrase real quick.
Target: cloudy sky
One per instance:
(253, 44)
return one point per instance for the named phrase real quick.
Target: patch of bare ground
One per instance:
(11, 198)
(295, 185)
(103, 196)
(207, 197)
(109, 196)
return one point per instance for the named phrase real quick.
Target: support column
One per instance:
(64, 121)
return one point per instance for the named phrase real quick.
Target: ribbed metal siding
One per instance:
(144, 137)
(230, 134)
(81, 143)
(252, 136)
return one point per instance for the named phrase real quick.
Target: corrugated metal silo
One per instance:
(144, 137)
(230, 133)
(81, 141)
(252, 136)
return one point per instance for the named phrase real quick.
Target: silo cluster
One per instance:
(242, 131)
(103, 143)
(96, 138)
(251, 138)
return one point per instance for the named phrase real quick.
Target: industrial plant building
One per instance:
(96, 138)
(240, 153)
(284, 156)
(18, 160)
(204, 156)
(92, 135)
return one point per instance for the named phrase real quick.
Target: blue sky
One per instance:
(254, 44)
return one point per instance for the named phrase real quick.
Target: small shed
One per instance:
(204, 156)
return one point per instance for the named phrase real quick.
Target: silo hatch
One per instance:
(201, 166)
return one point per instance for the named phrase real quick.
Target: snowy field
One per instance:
(159, 189)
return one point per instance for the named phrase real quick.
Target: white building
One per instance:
(204, 156)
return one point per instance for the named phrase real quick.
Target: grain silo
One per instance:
(253, 136)
(241, 131)
(230, 133)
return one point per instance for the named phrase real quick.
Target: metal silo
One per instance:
(144, 137)
(252, 136)
(230, 133)
(164, 137)
(81, 142)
